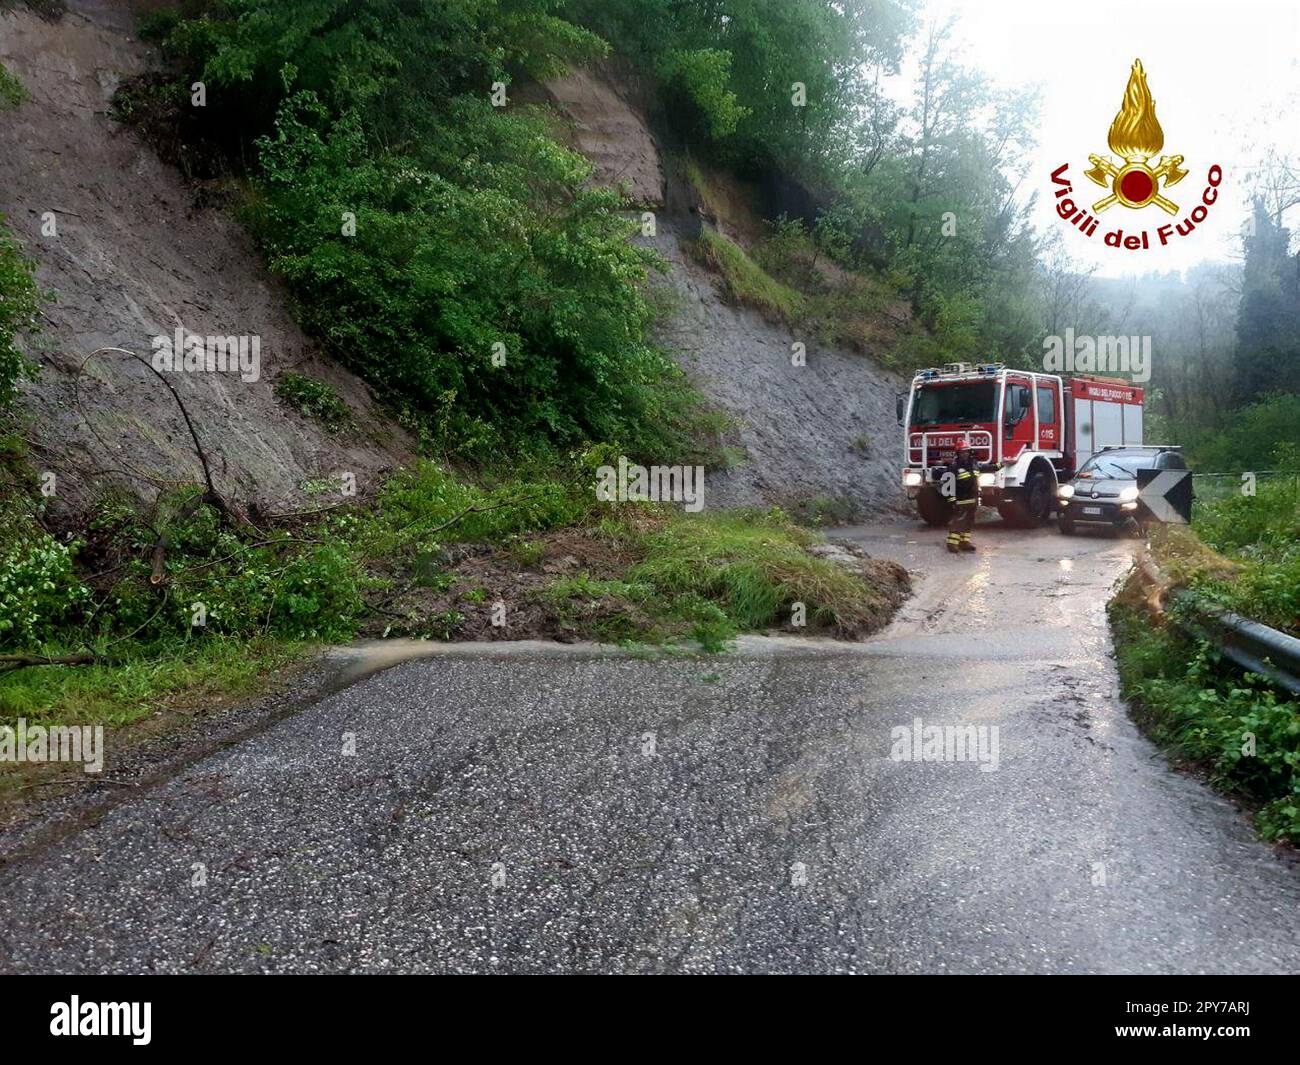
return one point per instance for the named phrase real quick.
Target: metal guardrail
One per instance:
(1256, 648)
(1210, 487)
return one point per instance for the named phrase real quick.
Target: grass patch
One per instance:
(1242, 553)
(736, 572)
(12, 91)
(316, 400)
(189, 672)
(709, 578)
(747, 282)
(789, 278)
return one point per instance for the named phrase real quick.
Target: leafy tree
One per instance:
(700, 78)
(1268, 320)
(830, 49)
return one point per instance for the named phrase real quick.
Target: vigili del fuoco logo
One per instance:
(1133, 180)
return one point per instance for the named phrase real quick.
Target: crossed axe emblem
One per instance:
(1135, 184)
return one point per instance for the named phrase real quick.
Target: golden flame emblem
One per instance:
(1135, 136)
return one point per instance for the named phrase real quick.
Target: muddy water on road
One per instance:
(1022, 591)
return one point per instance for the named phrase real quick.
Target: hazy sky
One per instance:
(1225, 78)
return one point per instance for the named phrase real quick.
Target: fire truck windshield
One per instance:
(972, 401)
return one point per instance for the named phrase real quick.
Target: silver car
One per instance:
(1105, 491)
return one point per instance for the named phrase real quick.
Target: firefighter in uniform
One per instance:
(966, 496)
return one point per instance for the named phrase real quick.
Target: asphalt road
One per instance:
(555, 809)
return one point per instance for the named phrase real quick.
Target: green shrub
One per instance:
(315, 399)
(700, 79)
(1261, 436)
(38, 589)
(12, 91)
(456, 297)
(422, 497)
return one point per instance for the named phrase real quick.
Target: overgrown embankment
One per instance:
(1242, 554)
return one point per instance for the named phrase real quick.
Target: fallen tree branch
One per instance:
(83, 658)
(208, 497)
(475, 509)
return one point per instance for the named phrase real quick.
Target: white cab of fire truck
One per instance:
(1014, 418)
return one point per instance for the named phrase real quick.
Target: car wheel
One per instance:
(1066, 525)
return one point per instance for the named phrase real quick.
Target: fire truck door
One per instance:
(1017, 418)
(1050, 433)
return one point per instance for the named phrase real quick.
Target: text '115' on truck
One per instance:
(1041, 428)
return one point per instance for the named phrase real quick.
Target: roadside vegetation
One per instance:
(1243, 554)
(104, 634)
(1230, 397)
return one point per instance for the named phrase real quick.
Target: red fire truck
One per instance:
(1040, 427)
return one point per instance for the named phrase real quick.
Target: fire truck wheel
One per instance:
(1032, 506)
(933, 508)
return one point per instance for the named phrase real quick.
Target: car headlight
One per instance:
(988, 480)
(1128, 494)
(1065, 491)
(912, 478)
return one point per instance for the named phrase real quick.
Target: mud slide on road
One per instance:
(772, 810)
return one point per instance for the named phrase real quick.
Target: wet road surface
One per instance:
(527, 810)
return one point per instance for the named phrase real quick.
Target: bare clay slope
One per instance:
(824, 430)
(134, 258)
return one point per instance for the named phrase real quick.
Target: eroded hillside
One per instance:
(130, 256)
(820, 430)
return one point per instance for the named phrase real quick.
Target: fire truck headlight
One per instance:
(912, 478)
(1128, 494)
(988, 480)
(1065, 491)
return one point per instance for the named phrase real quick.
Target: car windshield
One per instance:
(1117, 467)
(950, 404)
